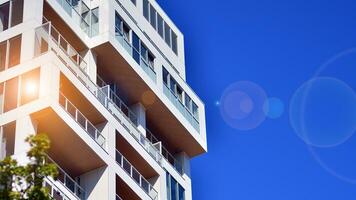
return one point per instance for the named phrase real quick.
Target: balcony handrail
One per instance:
(86, 24)
(106, 101)
(167, 156)
(135, 175)
(84, 122)
(160, 52)
(190, 113)
(54, 188)
(78, 190)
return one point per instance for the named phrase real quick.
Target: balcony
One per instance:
(89, 128)
(48, 38)
(135, 175)
(54, 191)
(80, 13)
(135, 54)
(68, 182)
(182, 109)
(165, 153)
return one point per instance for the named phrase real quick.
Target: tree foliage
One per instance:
(21, 182)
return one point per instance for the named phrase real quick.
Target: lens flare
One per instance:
(241, 105)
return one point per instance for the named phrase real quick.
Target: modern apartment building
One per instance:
(105, 80)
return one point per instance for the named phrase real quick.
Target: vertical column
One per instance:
(91, 69)
(32, 17)
(140, 113)
(109, 132)
(25, 126)
(97, 183)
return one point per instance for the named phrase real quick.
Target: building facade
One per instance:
(105, 80)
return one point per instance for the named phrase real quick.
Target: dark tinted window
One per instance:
(17, 12)
(4, 16)
(14, 51)
(11, 88)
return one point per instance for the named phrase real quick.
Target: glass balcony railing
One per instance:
(165, 153)
(80, 13)
(48, 38)
(102, 92)
(91, 130)
(182, 109)
(144, 64)
(68, 182)
(54, 191)
(135, 175)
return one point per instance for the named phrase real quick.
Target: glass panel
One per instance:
(165, 76)
(136, 47)
(173, 189)
(1, 98)
(126, 31)
(94, 21)
(30, 83)
(195, 111)
(168, 186)
(174, 43)
(146, 9)
(153, 16)
(11, 88)
(144, 53)
(167, 34)
(118, 22)
(188, 102)
(14, 51)
(181, 193)
(160, 25)
(3, 55)
(17, 12)
(4, 16)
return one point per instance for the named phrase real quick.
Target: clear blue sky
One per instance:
(309, 152)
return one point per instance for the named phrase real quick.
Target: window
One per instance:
(146, 9)
(11, 14)
(151, 59)
(180, 94)
(174, 190)
(3, 46)
(160, 25)
(153, 17)
(94, 21)
(1, 97)
(14, 51)
(181, 193)
(126, 32)
(163, 29)
(30, 82)
(174, 43)
(136, 48)
(10, 52)
(17, 12)
(4, 16)
(195, 111)
(11, 90)
(165, 76)
(188, 102)
(167, 34)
